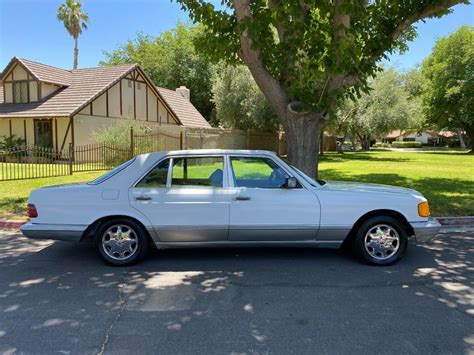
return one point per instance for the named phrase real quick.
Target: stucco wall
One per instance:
(47, 89)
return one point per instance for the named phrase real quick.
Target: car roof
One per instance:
(210, 152)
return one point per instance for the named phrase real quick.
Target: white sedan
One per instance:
(217, 198)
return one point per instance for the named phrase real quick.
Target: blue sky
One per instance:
(29, 29)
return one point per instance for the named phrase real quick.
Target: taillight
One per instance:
(31, 211)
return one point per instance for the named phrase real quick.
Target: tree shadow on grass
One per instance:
(367, 156)
(447, 197)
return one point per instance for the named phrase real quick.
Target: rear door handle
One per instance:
(143, 198)
(242, 198)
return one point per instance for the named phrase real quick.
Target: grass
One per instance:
(446, 178)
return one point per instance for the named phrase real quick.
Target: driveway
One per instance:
(59, 297)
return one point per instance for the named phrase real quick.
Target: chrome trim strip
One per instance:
(64, 232)
(250, 244)
(425, 231)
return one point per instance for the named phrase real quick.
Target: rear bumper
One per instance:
(425, 231)
(64, 232)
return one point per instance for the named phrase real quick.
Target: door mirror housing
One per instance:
(291, 183)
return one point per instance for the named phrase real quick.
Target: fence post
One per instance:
(71, 152)
(132, 147)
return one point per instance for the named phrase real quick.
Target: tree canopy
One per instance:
(239, 102)
(449, 87)
(171, 60)
(306, 54)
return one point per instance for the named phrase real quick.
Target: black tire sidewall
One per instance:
(142, 242)
(359, 244)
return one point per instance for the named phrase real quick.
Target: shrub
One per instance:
(412, 144)
(381, 145)
(11, 142)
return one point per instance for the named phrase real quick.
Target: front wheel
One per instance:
(381, 241)
(121, 242)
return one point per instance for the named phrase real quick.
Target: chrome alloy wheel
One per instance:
(120, 242)
(382, 242)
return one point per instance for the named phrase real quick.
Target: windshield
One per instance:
(111, 173)
(307, 178)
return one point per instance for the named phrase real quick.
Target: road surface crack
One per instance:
(123, 304)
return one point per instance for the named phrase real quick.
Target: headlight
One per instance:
(423, 209)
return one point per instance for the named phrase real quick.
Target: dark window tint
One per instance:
(157, 177)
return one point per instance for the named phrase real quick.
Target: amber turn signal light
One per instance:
(424, 209)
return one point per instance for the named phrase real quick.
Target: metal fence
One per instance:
(28, 162)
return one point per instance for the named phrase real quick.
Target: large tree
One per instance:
(75, 21)
(239, 102)
(306, 54)
(171, 60)
(449, 91)
(389, 105)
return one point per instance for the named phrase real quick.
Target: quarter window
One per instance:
(257, 173)
(157, 177)
(198, 171)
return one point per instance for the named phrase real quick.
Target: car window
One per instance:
(198, 171)
(257, 173)
(111, 173)
(157, 177)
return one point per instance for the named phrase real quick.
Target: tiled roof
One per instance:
(183, 109)
(81, 86)
(85, 85)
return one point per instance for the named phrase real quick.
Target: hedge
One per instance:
(411, 144)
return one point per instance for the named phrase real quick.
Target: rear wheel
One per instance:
(121, 242)
(381, 241)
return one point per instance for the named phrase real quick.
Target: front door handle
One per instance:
(242, 198)
(143, 198)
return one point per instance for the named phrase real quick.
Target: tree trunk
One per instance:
(461, 139)
(76, 53)
(303, 134)
(321, 142)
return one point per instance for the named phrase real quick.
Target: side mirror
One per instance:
(291, 183)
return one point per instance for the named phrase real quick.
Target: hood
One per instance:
(368, 188)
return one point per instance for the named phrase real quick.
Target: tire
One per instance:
(121, 242)
(381, 241)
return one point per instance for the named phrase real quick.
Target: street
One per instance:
(60, 297)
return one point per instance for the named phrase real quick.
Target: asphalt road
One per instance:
(59, 297)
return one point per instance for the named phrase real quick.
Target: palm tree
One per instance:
(74, 20)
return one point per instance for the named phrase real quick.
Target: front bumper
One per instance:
(64, 232)
(425, 231)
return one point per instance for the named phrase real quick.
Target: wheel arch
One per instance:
(378, 213)
(90, 232)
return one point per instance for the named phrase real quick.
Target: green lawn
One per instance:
(445, 178)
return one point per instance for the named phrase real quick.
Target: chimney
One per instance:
(184, 91)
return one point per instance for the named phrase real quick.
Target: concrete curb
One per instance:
(11, 224)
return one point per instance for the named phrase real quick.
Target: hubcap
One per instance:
(382, 242)
(120, 242)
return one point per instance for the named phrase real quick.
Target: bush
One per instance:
(381, 145)
(11, 142)
(411, 144)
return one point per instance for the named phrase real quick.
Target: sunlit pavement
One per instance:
(59, 297)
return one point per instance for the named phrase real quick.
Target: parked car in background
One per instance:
(216, 198)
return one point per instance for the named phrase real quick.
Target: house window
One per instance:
(139, 86)
(20, 92)
(129, 83)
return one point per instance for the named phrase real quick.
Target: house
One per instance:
(53, 107)
(428, 137)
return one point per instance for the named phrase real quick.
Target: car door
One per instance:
(263, 209)
(185, 198)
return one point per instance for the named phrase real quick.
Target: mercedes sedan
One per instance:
(231, 198)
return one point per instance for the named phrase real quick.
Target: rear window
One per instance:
(111, 173)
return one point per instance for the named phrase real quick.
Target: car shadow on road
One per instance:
(233, 300)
